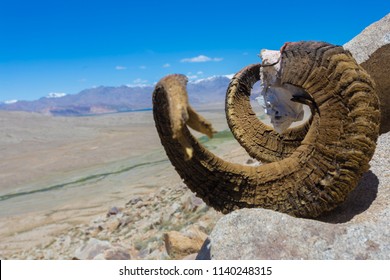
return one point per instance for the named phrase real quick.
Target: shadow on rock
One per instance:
(358, 201)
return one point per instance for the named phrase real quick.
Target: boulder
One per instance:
(357, 229)
(371, 49)
(179, 245)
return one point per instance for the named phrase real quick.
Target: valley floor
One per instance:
(59, 173)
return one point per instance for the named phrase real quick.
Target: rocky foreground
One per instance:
(169, 224)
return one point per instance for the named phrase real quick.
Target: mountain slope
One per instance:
(105, 99)
(90, 101)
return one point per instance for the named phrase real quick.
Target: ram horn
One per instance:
(317, 175)
(260, 141)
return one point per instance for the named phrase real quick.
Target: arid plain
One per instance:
(58, 172)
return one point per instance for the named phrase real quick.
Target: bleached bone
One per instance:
(276, 98)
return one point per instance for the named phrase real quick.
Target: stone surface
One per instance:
(371, 49)
(179, 245)
(117, 253)
(113, 224)
(113, 211)
(357, 229)
(92, 249)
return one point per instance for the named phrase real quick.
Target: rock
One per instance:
(92, 248)
(191, 202)
(117, 253)
(113, 211)
(265, 234)
(174, 208)
(179, 245)
(96, 249)
(357, 229)
(134, 201)
(194, 232)
(190, 257)
(113, 225)
(94, 231)
(371, 49)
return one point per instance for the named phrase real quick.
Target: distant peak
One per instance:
(229, 76)
(10, 101)
(138, 85)
(212, 78)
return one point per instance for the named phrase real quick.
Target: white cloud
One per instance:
(201, 58)
(166, 65)
(142, 67)
(194, 76)
(119, 67)
(55, 95)
(139, 83)
(139, 80)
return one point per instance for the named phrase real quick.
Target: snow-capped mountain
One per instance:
(9, 101)
(105, 99)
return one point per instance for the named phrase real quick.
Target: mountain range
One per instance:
(106, 99)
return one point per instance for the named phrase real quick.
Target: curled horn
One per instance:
(261, 141)
(314, 166)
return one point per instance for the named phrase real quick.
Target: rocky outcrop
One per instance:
(179, 245)
(371, 49)
(357, 229)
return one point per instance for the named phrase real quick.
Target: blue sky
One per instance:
(70, 45)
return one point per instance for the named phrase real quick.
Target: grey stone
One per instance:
(96, 249)
(376, 35)
(113, 211)
(371, 49)
(357, 229)
(92, 249)
(117, 253)
(134, 201)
